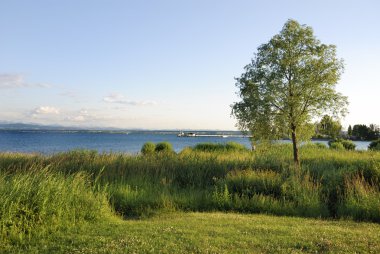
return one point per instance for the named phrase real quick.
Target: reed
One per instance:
(40, 194)
(40, 201)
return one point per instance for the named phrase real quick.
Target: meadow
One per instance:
(63, 199)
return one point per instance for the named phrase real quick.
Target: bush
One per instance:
(164, 147)
(233, 146)
(320, 145)
(212, 147)
(374, 145)
(310, 145)
(342, 143)
(336, 145)
(148, 148)
(348, 144)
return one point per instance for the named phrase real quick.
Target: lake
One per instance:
(48, 142)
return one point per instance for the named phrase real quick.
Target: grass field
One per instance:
(212, 233)
(82, 201)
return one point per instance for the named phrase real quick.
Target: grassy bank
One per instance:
(68, 191)
(212, 233)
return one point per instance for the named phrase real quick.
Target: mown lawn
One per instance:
(211, 233)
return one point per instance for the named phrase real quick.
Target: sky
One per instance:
(165, 64)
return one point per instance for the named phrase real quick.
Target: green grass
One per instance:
(38, 202)
(212, 233)
(54, 199)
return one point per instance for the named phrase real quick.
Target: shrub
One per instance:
(348, 144)
(208, 147)
(148, 148)
(339, 143)
(336, 146)
(164, 147)
(212, 147)
(321, 145)
(233, 146)
(374, 145)
(310, 145)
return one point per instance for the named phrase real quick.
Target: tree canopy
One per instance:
(363, 132)
(290, 81)
(329, 127)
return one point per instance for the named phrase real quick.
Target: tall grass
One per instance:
(39, 194)
(40, 201)
(361, 200)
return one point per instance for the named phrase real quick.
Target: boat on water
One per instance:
(186, 134)
(193, 134)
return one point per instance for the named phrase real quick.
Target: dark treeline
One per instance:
(330, 128)
(363, 132)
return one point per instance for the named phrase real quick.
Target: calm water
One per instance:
(48, 142)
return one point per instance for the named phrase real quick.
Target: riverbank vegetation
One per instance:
(40, 195)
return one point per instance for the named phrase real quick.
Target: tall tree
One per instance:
(349, 131)
(363, 132)
(290, 81)
(329, 127)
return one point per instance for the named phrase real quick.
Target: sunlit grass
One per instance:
(40, 195)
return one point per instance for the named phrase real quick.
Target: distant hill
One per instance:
(25, 126)
(4, 126)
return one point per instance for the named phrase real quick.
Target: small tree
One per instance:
(290, 81)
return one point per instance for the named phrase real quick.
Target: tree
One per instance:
(349, 131)
(360, 131)
(290, 81)
(329, 127)
(374, 132)
(363, 132)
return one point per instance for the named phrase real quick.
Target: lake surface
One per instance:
(48, 142)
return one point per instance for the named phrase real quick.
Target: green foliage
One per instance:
(336, 146)
(77, 186)
(211, 232)
(249, 182)
(342, 144)
(164, 147)
(148, 148)
(40, 201)
(267, 191)
(320, 145)
(349, 130)
(214, 147)
(361, 200)
(329, 127)
(348, 144)
(317, 145)
(363, 132)
(283, 88)
(139, 201)
(374, 145)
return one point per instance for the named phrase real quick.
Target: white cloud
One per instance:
(10, 81)
(45, 110)
(120, 99)
(81, 116)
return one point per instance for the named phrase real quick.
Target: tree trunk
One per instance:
(295, 146)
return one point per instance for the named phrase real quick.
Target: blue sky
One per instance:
(165, 64)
